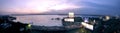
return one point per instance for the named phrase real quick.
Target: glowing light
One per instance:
(71, 14)
(86, 20)
(69, 19)
(107, 17)
(87, 25)
(29, 26)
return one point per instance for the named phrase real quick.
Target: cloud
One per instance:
(96, 7)
(35, 6)
(111, 7)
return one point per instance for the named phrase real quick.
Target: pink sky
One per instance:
(38, 6)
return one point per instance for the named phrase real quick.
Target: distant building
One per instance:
(71, 14)
(70, 17)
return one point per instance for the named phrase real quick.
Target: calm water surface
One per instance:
(41, 20)
(45, 20)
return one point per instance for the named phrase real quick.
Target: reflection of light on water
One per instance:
(87, 25)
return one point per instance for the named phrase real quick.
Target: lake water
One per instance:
(46, 20)
(41, 20)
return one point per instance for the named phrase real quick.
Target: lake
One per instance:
(41, 20)
(46, 20)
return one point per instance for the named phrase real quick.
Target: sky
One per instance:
(103, 7)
